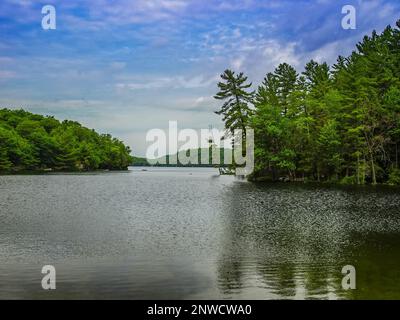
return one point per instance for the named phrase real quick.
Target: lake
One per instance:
(187, 233)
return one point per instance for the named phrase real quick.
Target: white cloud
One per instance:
(176, 82)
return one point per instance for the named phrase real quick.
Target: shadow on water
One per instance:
(291, 241)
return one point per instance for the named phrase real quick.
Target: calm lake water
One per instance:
(170, 233)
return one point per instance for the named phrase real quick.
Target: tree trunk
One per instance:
(358, 168)
(364, 168)
(273, 174)
(373, 170)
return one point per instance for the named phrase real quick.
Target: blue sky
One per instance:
(126, 67)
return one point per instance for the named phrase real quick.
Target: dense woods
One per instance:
(34, 142)
(337, 124)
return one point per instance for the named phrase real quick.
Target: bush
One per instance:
(394, 177)
(348, 180)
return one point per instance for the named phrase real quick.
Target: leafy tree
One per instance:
(34, 142)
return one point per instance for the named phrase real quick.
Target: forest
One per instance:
(338, 124)
(31, 142)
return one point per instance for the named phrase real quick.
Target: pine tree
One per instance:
(234, 91)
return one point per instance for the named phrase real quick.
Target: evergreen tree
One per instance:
(339, 124)
(234, 91)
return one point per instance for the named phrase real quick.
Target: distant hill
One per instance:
(140, 162)
(165, 160)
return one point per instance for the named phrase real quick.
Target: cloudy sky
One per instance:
(128, 66)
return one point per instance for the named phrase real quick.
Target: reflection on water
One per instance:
(187, 233)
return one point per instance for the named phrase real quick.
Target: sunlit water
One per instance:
(170, 233)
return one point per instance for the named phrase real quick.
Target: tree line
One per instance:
(337, 123)
(35, 142)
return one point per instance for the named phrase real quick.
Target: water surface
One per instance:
(187, 233)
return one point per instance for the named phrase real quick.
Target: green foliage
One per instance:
(394, 177)
(203, 157)
(348, 180)
(339, 123)
(235, 110)
(34, 142)
(140, 162)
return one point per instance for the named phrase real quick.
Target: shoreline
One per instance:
(44, 172)
(259, 180)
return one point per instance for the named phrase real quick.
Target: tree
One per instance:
(33, 142)
(5, 163)
(286, 78)
(235, 110)
(333, 124)
(329, 147)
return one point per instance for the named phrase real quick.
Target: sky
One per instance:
(125, 67)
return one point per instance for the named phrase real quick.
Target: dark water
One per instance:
(189, 234)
